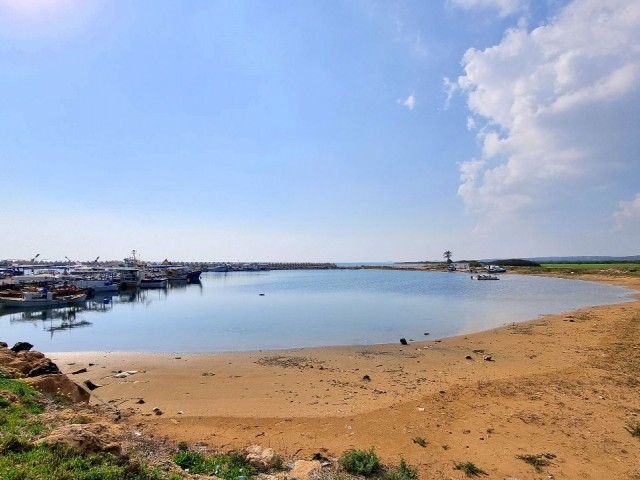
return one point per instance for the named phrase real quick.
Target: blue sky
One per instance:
(323, 131)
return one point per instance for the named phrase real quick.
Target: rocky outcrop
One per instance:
(261, 458)
(20, 362)
(89, 438)
(60, 385)
(304, 469)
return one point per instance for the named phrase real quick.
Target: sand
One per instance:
(564, 384)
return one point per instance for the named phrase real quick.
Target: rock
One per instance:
(4, 345)
(366, 378)
(140, 401)
(468, 357)
(302, 469)
(45, 368)
(479, 350)
(261, 458)
(403, 341)
(82, 370)
(21, 347)
(426, 333)
(320, 457)
(157, 411)
(59, 384)
(488, 358)
(90, 385)
(89, 438)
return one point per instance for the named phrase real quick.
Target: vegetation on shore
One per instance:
(23, 421)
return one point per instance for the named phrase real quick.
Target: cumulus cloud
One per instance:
(504, 7)
(410, 102)
(557, 108)
(628, 212)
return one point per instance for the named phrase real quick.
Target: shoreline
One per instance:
(552, 384)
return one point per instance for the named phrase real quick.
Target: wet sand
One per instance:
(565, 384)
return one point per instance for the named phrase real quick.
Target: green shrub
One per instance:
(469, 468)
(360, 462)
(537, 461)
(401, 472)
(63, 463)
(634, 429)
(420, 441)
(228, 466)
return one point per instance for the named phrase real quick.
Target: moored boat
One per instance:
(483, 276)
(154, 282)
(42, 298)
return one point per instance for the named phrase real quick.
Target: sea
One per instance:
(241, 311)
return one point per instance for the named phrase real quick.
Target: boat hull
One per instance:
(9, 302)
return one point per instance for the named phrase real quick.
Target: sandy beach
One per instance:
(565, 384)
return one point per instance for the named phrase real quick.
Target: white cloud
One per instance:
(410, 102)
(628, 212)
(504, 7)
(557, 109)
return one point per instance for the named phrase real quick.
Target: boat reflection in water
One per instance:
(69, 317)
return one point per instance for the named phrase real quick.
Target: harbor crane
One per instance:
(34, 258)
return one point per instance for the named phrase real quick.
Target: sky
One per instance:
(351, 130)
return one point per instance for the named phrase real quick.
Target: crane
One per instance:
(34, 258)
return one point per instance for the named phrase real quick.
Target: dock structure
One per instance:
(256, 266)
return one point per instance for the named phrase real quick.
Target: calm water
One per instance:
(300, 308)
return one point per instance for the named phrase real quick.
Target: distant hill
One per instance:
(578, 259)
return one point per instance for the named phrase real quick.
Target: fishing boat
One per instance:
(193, 276)
(96, 284)
(42, 297)
(154, 282)
(126, 277)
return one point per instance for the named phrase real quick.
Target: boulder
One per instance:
(303, 469)
(44, 368)
(21, 363)
(261, 458)
(21, 346)
(59, 384)
(88, 438)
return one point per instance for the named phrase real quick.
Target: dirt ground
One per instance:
(565, 385)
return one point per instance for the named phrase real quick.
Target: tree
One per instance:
(448, 254)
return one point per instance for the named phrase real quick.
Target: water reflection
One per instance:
(286, 309)
(58, 319)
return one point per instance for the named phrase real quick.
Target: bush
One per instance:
(360, 462)
(401, 472)
(634, 429)
(228, 467)
(469, 468)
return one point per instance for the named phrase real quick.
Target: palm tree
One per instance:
(448, 254)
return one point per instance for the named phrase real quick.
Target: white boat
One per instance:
(484, 276)
(496, 269)
(96, 284)
(42, 298)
